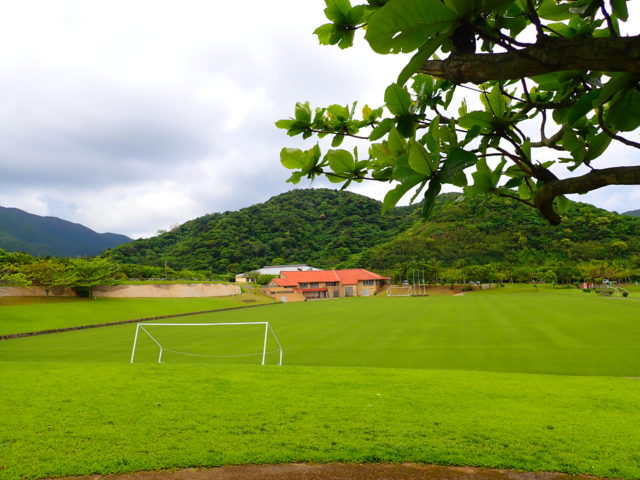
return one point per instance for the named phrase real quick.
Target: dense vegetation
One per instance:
(516, 241)
(319, 227)
(475, 237)
(24, 232)
(634, 213)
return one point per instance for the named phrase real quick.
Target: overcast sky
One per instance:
(131, 117)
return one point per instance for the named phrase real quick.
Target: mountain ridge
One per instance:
(46, 235)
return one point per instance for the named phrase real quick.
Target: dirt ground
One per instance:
(340, 471)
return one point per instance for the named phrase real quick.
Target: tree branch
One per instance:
(551, 55)
(582, 184)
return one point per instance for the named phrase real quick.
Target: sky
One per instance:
(133, 117)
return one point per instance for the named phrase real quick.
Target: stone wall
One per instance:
(171, 290)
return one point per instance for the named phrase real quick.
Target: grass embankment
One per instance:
(28, 314)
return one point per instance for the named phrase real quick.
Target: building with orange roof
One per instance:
(320, 284)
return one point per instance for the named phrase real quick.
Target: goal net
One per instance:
(232, 342)
(399, 291)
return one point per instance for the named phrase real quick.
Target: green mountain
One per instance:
(319, 227)
(482, 230)
(633, 213)
(327, 228)
(41, 236)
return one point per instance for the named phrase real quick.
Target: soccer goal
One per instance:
(399, 291)
(209, 340)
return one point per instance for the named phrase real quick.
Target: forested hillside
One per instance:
(320, 227)
(488, 230)
(633, 213)
(328, 229)
(21, 231)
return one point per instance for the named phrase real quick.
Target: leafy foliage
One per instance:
(512, 242)
(577, 87)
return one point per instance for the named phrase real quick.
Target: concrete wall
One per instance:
(172, 290)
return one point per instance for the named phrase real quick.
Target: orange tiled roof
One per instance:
(345, 277)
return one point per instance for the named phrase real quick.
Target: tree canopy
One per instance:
(512, 88)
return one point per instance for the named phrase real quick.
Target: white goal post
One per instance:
(267, 330)
(399, 291)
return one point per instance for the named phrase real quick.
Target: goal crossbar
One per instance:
(267, 330)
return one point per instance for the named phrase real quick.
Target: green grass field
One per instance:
(42, 313)
(512, 378)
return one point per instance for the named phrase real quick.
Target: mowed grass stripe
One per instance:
(78, 419)
(557, 332)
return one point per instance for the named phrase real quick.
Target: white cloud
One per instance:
(133, 116)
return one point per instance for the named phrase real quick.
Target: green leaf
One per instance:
(483, 120)
(337, 140)
(483, 178)
(381, 130)
(396, 143)
(619, 8)
(582, 107)
(328, 34)
(624, 111)
(455, 162)
(562, 204)
(597, 146)
(550, 10)
(430, 197)
(303, 112)
(340, 161)
(293, 158)
(337, 10)
(407, 125)
(496, 102)
(423, 54)
(419, 158)
(397, 99)
(286, 124)
(338, 112)
(394, 195)
(617, 83)
(524, 192)
(405, 25)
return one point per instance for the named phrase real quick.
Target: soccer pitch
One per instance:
(511, 378)
(551, 332)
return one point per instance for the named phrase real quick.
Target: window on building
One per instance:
(332, 284)
(314, 285)
(304, 285)
(369, 282)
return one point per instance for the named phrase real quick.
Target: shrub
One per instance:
(586, 290)
(467, 288)
(625, 294)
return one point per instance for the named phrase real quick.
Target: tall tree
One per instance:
(551, 77)
(91, 273)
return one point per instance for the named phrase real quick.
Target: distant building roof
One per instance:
(345, 277)
(276, 269)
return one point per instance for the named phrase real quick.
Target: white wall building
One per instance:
(275, 270)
